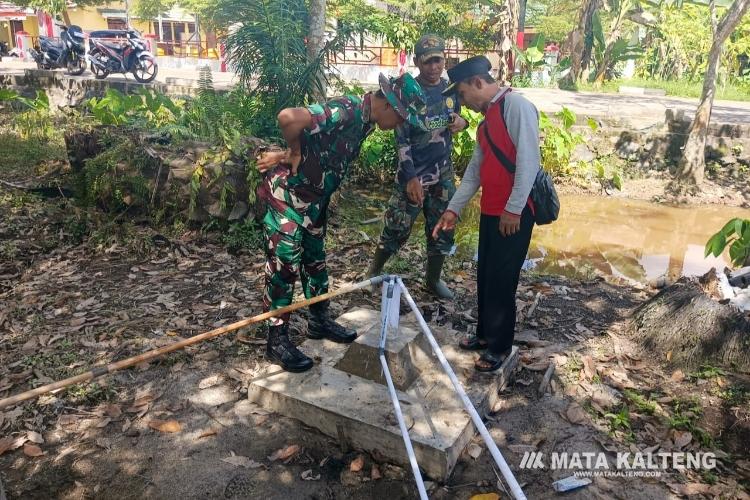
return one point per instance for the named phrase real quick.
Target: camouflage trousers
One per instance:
(401, 214)
(292, 250)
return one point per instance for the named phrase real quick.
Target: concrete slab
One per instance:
(356, 409)
(401, 350)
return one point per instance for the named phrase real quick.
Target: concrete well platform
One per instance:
(345, 396)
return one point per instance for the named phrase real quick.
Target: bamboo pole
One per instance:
(98, 371)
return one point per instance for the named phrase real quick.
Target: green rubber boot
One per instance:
(434, 284)
(376, 268)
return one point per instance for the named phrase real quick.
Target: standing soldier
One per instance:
(323, 140)
(424, 179)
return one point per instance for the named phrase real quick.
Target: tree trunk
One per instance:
(611, 39)
(579, 53)
(507, 28)
(315, 44)
(691, 168)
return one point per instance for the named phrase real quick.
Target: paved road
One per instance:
(634, 111)
(640, 110)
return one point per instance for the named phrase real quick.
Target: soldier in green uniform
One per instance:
(323, 140)
(424, 179)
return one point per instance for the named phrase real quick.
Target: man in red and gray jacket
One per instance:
(504, 164)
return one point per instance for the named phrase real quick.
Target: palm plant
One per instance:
(267, 45)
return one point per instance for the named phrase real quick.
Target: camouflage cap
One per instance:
(429, 46)
(405, 96)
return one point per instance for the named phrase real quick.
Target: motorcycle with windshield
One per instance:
(65, 52)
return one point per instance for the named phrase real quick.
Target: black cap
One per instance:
(473, 66)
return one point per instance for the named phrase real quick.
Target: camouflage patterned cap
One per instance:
(429, 46)
(405, 96)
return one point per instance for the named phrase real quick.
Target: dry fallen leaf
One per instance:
(207, 433)
(682, 438)
(309, 476)
(113, 410)
(165, 425)
(34, 437)
(241, 461)
(210, 381)
(474, 450)
(677, 376)
(575, 414)
(285, 453)
(9, 443)
(688, 489)
(485, 496)
(589, 369)
(32, 450)
(357, 464)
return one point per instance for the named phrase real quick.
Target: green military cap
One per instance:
(405, 96)
(429, 46)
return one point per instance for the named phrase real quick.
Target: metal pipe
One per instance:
(515, 488)
(98, 371)
(394, 395)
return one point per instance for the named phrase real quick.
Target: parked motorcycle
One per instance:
(67, 52)
(127, 56)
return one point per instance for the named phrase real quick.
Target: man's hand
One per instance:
(458, 123)
(293, 159)
(270, 159)
(447, 222)
(415, 192)
(509, 223)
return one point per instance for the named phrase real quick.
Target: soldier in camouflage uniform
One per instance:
(424, 179)
(323, 140)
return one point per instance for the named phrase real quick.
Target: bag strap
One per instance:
(502, 158)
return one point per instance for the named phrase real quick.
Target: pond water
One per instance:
(630, 239)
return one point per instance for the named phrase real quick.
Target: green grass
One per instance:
(21, 157)
(677, 88)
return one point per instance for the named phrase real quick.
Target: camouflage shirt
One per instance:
(329, 146)
(422, 153)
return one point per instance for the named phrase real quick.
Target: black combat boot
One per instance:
(281, 350)
(322, 326)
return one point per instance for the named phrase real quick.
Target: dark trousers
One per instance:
(498, 270)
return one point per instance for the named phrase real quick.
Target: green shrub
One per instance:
(378, 158)
(736, 235)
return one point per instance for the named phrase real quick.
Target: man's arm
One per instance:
(522, 120)
(469, 183)
(292, 121)
(406, 174)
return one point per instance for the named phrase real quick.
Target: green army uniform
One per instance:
(295, 220)
(296, 211)
(425, 155)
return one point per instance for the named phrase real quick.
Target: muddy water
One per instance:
(629, 239)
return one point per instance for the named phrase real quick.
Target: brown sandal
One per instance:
(472, 343)
(490, 362)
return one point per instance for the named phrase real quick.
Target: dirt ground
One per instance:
(720, 187)
(75, 292)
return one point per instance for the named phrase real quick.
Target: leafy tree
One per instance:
(691, 168)
(56, 7)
